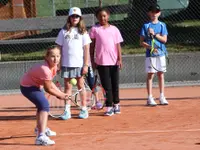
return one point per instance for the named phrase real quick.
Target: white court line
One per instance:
(129, 132)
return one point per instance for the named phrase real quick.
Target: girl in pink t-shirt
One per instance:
(31, 84)
(106, 40)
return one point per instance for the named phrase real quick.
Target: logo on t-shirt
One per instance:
(71, 36)
(76, 36)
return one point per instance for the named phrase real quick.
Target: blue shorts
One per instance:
(36, 96)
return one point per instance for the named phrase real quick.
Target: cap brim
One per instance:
(154, 10)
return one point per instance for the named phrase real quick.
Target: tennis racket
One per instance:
(155, 48)
(99, 93)
(90, 100)
(57, 106)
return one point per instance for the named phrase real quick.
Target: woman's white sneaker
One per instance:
(44, 140)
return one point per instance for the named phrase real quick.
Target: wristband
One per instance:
(85, 65)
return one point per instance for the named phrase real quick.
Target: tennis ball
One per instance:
(73, 81)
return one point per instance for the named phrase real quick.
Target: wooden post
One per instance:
(18, 9)
(100, 3)
(30, 8)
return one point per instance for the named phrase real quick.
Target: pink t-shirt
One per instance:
(106, 44)
(37, 75)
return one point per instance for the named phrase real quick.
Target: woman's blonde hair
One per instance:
(48, 51)
(81, 25)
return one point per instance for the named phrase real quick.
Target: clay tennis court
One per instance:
(139, 127)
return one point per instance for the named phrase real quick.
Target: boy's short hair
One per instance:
(154, 8)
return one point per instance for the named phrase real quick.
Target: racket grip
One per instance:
(67, 97)
(152, 36)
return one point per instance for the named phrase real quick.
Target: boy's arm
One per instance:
(144, 44)
(161, 38)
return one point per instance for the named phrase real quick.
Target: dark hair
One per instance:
(100, 9)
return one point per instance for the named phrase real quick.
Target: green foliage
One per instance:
(126, 50)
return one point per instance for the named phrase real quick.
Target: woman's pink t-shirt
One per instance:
(37, 75)
(106, 44)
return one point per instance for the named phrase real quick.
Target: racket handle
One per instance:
(152, 36)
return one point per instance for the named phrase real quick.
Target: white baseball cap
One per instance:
(75, 11)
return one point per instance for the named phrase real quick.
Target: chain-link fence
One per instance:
(182, 18)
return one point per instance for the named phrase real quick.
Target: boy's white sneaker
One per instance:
(163, 101)
(151, 102)
(44, 140)
(48, 132)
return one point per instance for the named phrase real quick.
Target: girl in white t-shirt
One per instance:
(74, 41)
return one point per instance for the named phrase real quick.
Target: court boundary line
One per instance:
(128, 132)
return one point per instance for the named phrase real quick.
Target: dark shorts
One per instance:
(36, 96)
(90, 77)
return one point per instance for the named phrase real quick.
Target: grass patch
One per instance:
(171, 48)
(45, 7)
(185, 23)
(18, 56)
(126, 50)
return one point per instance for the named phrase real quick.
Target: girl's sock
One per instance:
(109, 108)
(150, 96)
(161, 94)
(67, 107)
(84, 108)
(41, 134)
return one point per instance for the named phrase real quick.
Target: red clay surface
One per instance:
(172, 127)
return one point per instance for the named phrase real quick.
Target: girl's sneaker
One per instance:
(48, 132)
(44, 140)
(66, 115)
(109, 112)
(83, 114)
(117, 109)
(151, 102)
(163, 101)
(99, 105)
